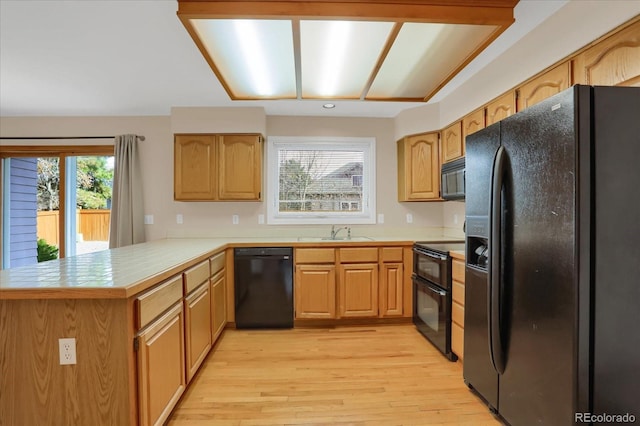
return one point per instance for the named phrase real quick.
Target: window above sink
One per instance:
(328, 180)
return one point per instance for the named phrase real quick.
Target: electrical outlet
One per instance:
(235, 219)
(380, 218)
(179, 219)
(67, 351)
(409, 218)
(148, 219)
(260, 219)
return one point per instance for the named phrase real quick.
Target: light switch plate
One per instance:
(148, 219)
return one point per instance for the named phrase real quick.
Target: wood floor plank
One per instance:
(363, 376)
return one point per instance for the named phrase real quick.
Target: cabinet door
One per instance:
(315, 291)
(452, 147)
(219, 304)
(194, 177)
(501, 108)
(240, 169)
(472, 123)
(391, 294)
(544, 86)
(358, 285)
(197, 327)
(161, 367)
(615, 61)
(419, 168)
(457, 307)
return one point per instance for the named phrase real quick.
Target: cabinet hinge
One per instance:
(136, 344)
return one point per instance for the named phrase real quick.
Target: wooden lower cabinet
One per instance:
(218, 305)
(391, 290)
(358, 285)
(315, 292)
(161, 367)
(197, 327)
(457, 307)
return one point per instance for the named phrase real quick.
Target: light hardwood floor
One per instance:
(385, 375)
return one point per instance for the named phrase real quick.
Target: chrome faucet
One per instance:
(334, 231)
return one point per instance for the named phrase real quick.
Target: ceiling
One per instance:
(124, 58)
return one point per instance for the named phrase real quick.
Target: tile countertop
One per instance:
(126, 271)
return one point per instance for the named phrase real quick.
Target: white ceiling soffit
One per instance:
(349, 49)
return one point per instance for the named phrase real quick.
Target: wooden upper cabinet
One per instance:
(501, 108)
(240, 167)
(217, 167)
(452, 146)
(544, 86)
(615, 61)
(194, 174)
(419, 168)
(472, 123)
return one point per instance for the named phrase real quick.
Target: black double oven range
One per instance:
(432, 293)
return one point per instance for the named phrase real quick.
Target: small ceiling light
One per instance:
(328, 106)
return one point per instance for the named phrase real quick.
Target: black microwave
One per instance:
(452, 182)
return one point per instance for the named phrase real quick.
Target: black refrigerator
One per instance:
(552, 299)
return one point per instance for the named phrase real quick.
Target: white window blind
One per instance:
(326, 180)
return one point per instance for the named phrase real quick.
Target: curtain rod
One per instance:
(142, 138)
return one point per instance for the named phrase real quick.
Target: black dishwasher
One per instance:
(263, 287)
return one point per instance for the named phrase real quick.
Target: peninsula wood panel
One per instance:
(452, 144)
(195, 168)
(419, 168)
(240, 167)
(544, 86)
(37, 390)
(614, 61)
(501, 108)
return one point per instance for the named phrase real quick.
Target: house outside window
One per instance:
(321, 180)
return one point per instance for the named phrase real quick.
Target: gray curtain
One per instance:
(127, 216)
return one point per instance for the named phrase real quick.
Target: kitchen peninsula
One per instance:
(118, 304)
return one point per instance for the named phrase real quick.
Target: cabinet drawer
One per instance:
(157, 300)
(315, 255)
(457, 270)
(457, 294)
(217, 263)
(363, 254)
(457, 314)
(391, 254)
(195, 276)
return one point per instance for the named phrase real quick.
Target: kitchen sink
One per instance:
(328, 240)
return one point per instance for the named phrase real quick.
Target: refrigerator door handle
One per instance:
(494, 268)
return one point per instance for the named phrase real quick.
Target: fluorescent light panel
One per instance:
(422, 56)
(338, 56)
(254, 57)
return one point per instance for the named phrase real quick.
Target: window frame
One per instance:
(365, 144)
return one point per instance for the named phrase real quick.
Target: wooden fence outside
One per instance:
(92, 224)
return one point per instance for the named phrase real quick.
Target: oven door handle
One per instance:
(437, 291)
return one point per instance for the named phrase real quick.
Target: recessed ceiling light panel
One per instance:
(338, 56)
(255, 57)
